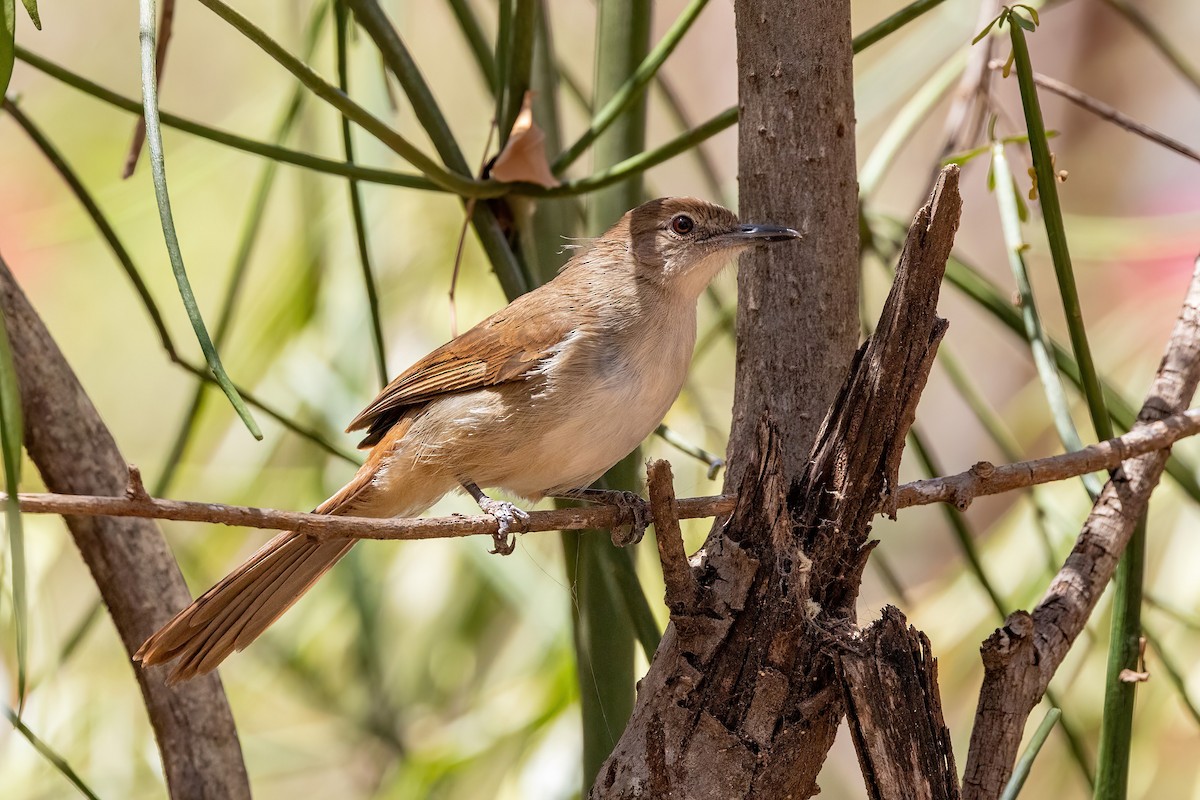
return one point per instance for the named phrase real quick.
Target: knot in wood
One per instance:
(1004, 642)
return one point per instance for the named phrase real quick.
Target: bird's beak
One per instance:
(756, 234)
(766, 233)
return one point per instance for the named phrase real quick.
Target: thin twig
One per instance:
(982, 479)
(1105, 111)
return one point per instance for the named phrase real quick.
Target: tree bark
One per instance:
(797, 318)
(743, 697)
(1020, 659)
(894, 709)
(129, 559)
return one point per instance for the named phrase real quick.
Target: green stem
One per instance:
(12, 435)
(477, 41)
(270, 151)
(146, 24)
(1025, 763)
(1035, 333)
(131, 271)
(341, 29)
(893, 23)
(241, 264)
(518, 65)
(635, 165)
(905, 123)
(371, 18)
(1047, 184)
(633, 88)
(48, 753)
(454, 180)
(1116, 729)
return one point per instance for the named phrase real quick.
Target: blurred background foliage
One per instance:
(432, 669)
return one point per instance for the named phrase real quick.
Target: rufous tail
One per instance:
(237, 610)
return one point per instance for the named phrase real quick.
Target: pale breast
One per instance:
(599, 402)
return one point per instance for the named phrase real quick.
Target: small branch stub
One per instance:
(681, 587)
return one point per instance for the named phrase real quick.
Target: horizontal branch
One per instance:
(982, 479)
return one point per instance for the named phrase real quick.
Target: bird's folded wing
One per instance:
(505, 347)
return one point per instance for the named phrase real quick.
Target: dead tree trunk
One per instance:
(129, 559)
(744, 697)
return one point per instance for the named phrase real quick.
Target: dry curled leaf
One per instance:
(523, 159)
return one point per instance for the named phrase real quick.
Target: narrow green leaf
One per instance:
(988, 29)
(453, 180)
(32, 9)
(906, 121)
(270, 151)
(633, 89)
(48, 753)
(8, 18)
(893, 23)
(159, 170)
(1027, 24)
(341, 27)
(247, 239)
(518, 65)
(11, 442)
(506, 265)
(1025, 762)
(1010, 207)
(473, 32)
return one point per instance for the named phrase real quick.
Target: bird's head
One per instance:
(682, 243)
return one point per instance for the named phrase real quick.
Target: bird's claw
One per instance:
(508, 517)
(633, 515)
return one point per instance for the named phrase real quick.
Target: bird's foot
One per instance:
(633, 515)
(633, 512)
(508, 517)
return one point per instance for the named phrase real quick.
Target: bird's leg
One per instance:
(633, 512)
(507, 517)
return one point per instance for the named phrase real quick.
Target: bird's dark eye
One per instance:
(682, 224)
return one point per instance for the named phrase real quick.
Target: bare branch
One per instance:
(1105, 111)
(1020, 659)
(129, 559)
(960, 489)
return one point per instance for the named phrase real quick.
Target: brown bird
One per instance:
(539, 400)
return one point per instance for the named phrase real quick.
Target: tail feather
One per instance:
(237, 610)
